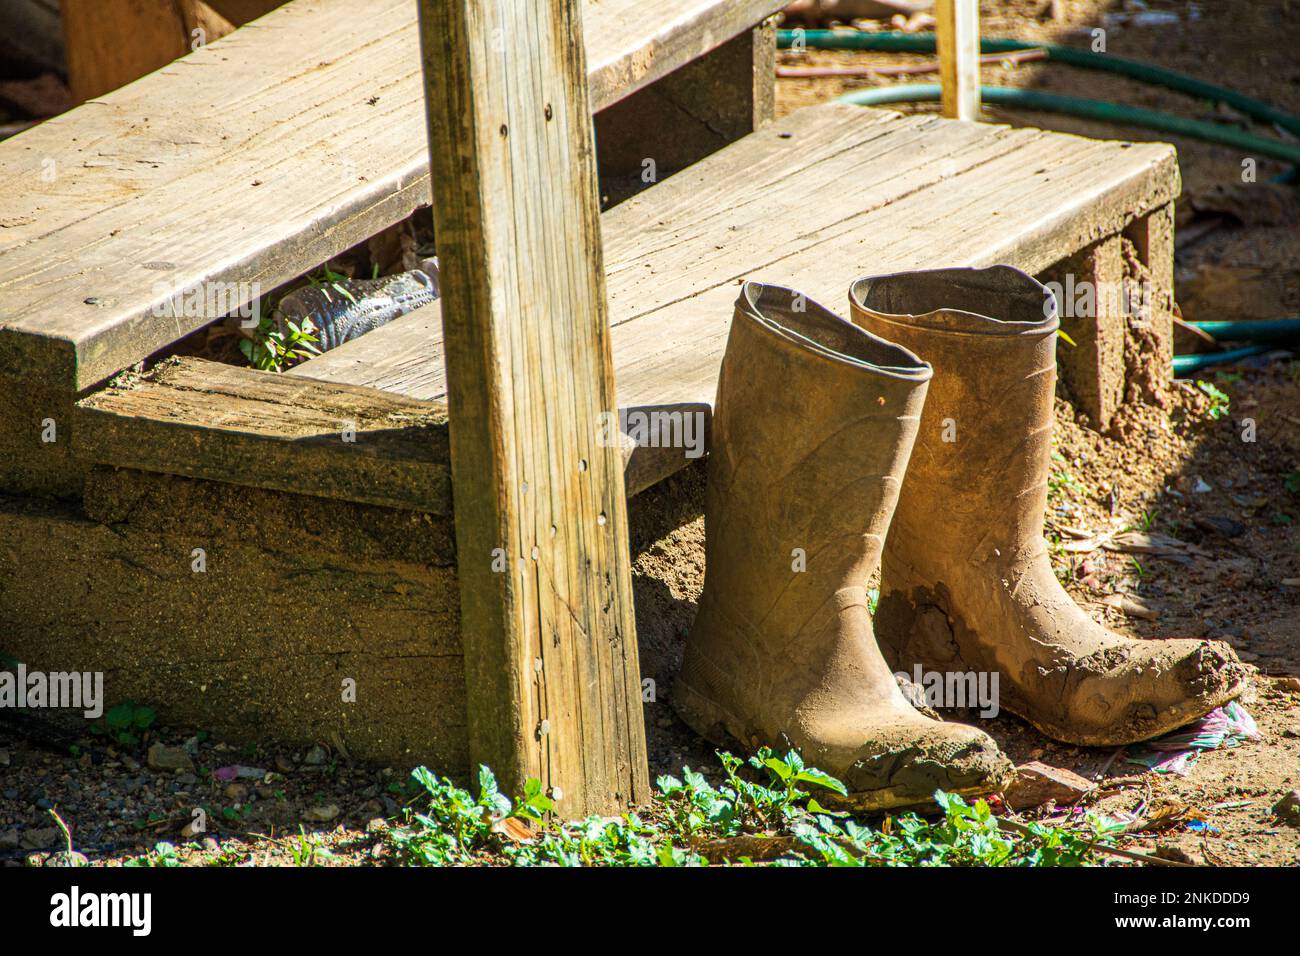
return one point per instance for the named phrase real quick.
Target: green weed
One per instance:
(765, 800)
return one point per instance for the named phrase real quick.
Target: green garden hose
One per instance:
(1263, 330)
(925, 43)
(1107, 112)
(1089, 109)
(1183, 364)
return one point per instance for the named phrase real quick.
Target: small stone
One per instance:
(1221, 525)
(283, 764)
(9, 839)
(915, 695)
(1037, 783)
(376, 825)
(41, 839)
(211, 845)
(1288, 808)
(236, 792)
(315, 757)
(321, 814)
(162, 757)
(4, 758)
(1167, 851)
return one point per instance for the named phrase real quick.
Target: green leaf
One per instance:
(120, 716)
(779, 767)
(822, 779)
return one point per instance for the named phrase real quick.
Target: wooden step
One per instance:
(249, 162)
(827, 195)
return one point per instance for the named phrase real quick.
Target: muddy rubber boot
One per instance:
(812, 429)
(967, 584)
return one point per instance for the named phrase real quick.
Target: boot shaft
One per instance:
(982, 453)
(813, 426)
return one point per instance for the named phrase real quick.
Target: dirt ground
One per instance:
(1184, 471)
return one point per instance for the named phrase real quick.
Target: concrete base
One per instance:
(311, 620)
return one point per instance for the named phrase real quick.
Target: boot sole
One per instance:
(913, 597)
(720, 727)
(1068, 736)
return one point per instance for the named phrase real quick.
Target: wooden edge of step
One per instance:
(201, 419)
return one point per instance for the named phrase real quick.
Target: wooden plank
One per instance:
(202, 419)
(206, 420)
(685, 235)
(111, 42)
(957, 27)
(927, 193)
(1089, 288)
(692, 112)
(246, 163)
(998, 214)
(553, 685)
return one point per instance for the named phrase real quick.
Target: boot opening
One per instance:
(809, 325)
(998, 300)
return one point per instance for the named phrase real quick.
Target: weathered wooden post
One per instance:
(553, 684)
(957, 26)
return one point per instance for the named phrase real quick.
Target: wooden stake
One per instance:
(553, 685)
(958, 27)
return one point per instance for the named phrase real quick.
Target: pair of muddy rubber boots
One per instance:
(923, 429)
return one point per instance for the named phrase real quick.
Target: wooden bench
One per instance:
(318, 502)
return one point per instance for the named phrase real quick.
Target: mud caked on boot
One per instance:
(812, 429)
(966, 580)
